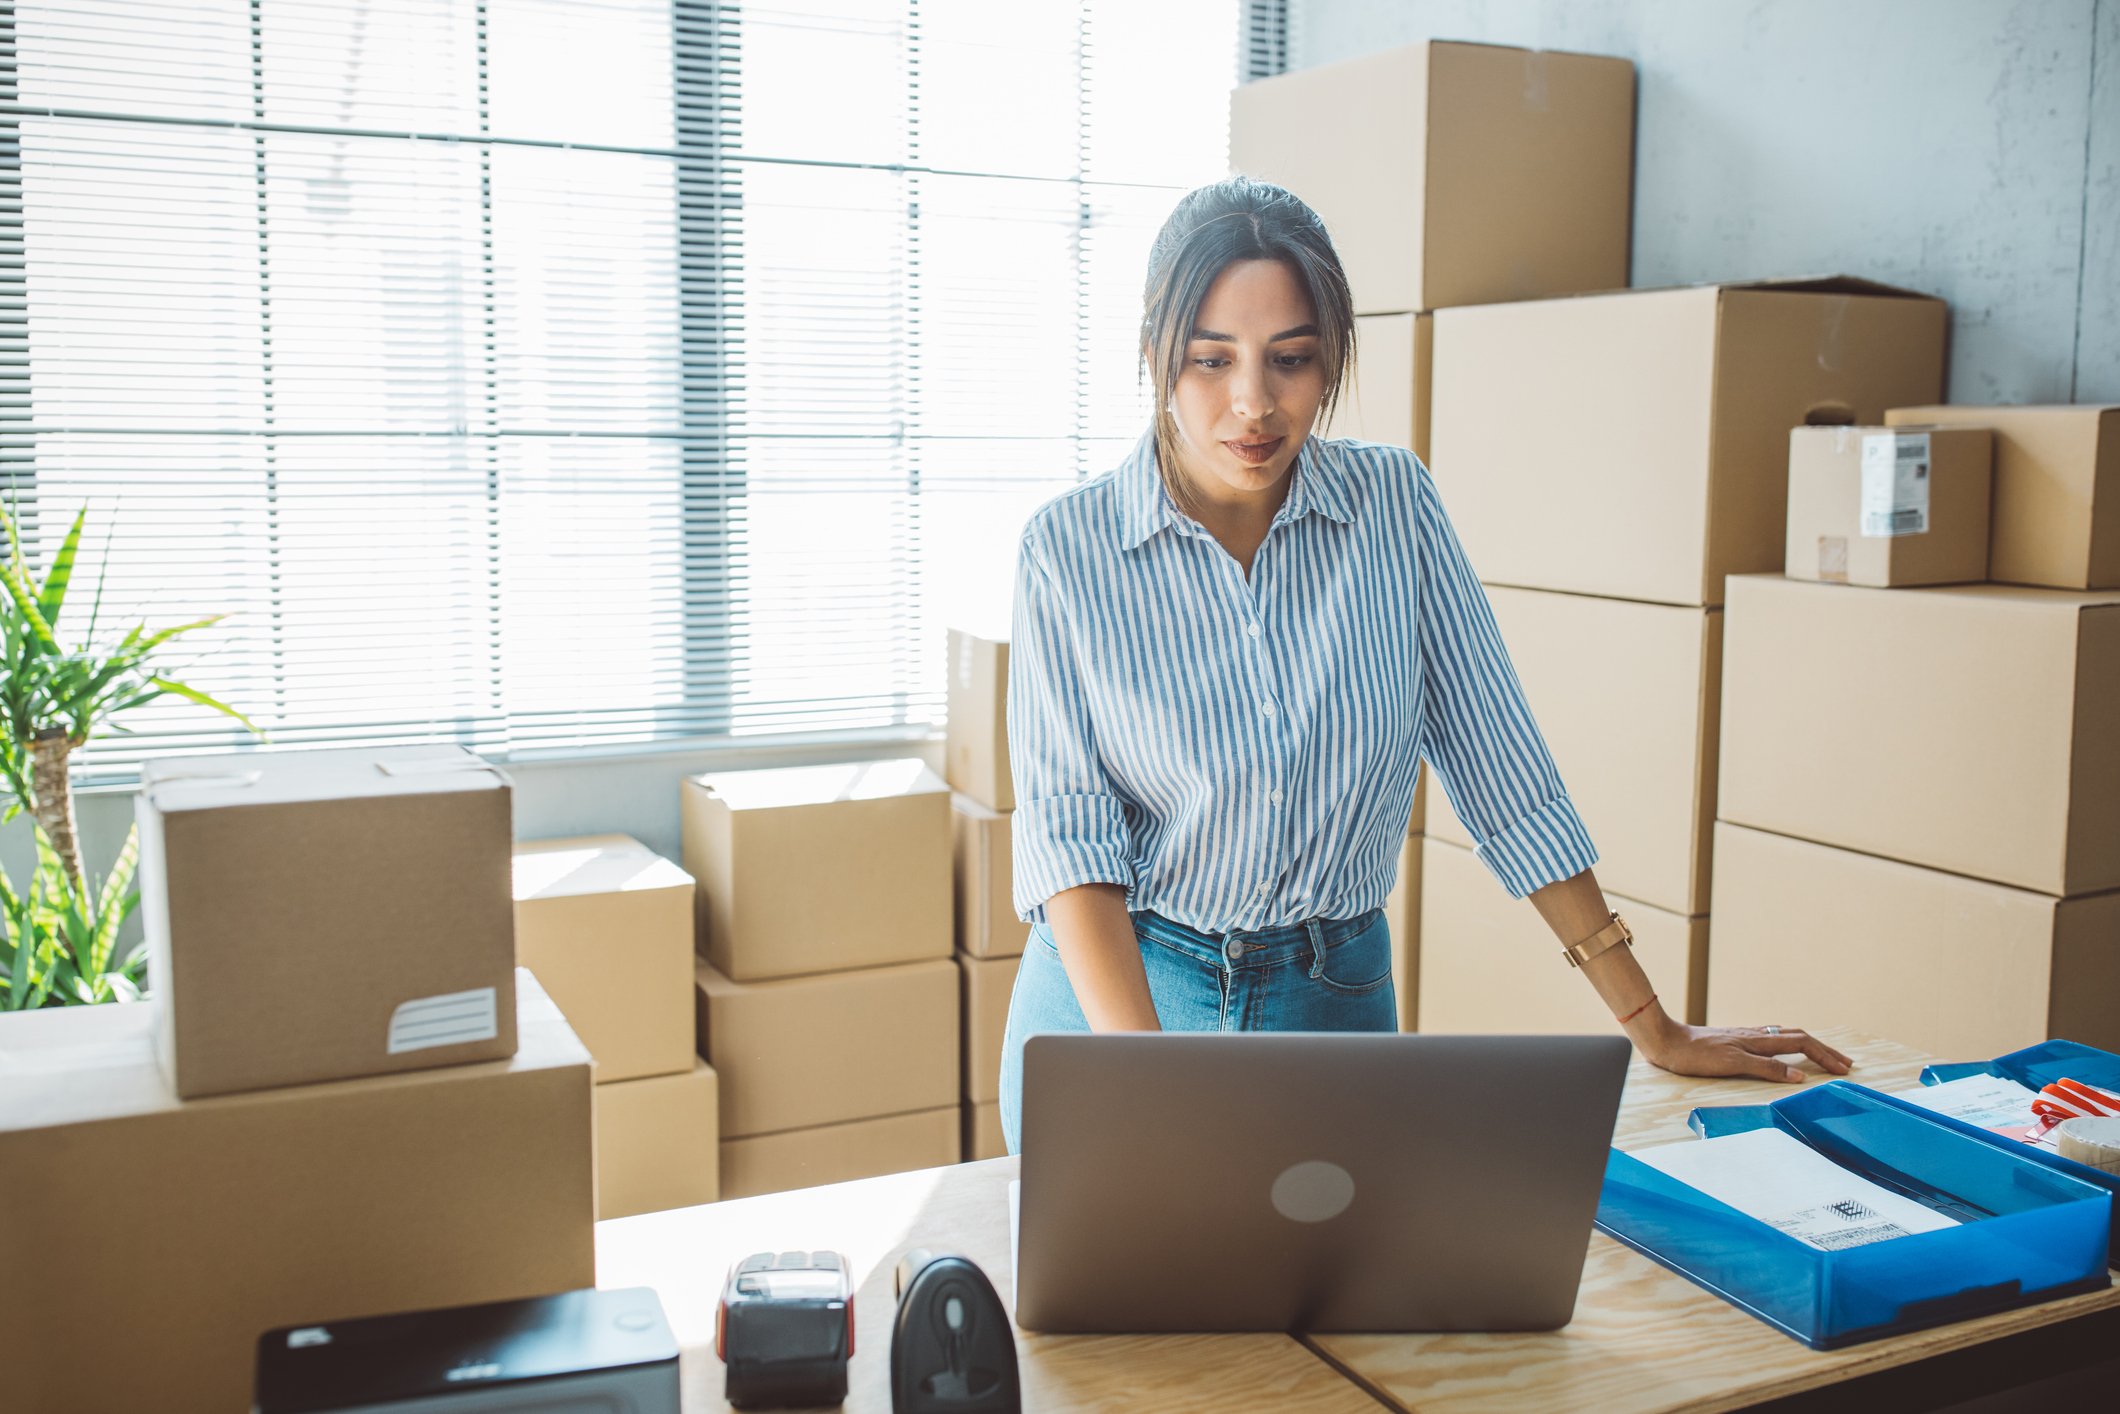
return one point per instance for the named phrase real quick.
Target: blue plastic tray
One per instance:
(2033, 1067)
(2027, 1233)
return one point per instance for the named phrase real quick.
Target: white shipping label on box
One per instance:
(450, 1019)
(1895, 484)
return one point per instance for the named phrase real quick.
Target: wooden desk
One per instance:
(1642, 1338)
(684, 1254)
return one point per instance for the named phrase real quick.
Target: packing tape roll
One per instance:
(2091, 1140)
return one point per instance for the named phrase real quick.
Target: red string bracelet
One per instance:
(1638, 1010)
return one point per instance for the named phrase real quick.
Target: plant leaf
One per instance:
(19, 589)
(192, 694)
(110, 908)
(53, 596)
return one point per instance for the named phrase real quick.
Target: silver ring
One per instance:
(1771, 1030)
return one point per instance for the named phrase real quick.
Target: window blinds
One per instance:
(548, 375)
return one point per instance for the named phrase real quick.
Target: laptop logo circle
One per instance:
(1312, 1191)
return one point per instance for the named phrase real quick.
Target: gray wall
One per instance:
(1968, 148)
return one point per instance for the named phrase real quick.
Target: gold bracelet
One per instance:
(1611, 935)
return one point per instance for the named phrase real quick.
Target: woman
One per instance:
(1230, 656)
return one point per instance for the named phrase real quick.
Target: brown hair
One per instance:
(1211, 228)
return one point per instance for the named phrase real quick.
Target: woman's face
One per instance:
(1251, 383)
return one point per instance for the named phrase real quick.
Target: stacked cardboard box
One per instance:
(1483, 173)
(990, 937)
(825, 997)
(323, 1112)
(1607, 460)
(1920, 826)
(606, 924)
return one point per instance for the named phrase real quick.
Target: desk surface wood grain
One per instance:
(685, 1254)
(1644, 1338)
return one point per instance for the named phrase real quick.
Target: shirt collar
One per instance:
(1320, 485)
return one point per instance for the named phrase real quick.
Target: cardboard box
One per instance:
(1489, 963)
(606, 924)
(818, 868)
(1402, 912)
(1967, 727)
(1387, 399)
(1809, 935)
(983, 868)
(975, 738)
(804, 1051)
(1637, 444)
(155, 1238)
(982, 1132)
(1888, 507)
(2056, 515)
(988, 985)
(1454, 173)
(319, 915)
(840, 1153)
(658, 1143)
(1628, 698)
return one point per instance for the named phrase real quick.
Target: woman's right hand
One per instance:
(1095, 935)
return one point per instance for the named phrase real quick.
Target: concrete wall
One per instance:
(1968, 148)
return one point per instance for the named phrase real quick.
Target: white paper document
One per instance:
(1986, 1100)
(1766, 1174)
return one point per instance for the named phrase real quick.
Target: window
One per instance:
(553, 374)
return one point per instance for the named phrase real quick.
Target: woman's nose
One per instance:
(1250, 395)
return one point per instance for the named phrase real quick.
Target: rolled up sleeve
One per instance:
(1476, 728)
(1070, 825)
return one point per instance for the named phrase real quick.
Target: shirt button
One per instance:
(1253, 630)
(1264, 885)
(1274, 796)
(1266, 709)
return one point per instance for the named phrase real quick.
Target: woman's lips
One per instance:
(1256, 453)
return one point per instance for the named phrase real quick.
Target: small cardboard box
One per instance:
(1454, 173)
(1809, 935)
(1388, 401)
(840, 1153)
(1636, 444)
(658, 1143)
(184, 1229)
(982, 1132)
(1638, 760)
(798, 1052)
(982, 864)
(606, 924)
(1965, 727)
(988, 985)
(1490, 963)
(2056, 516)
(319, 915)
(819, 868)
(1886, 507)
(975, 738)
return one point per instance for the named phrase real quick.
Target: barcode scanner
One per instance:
(953, 1350)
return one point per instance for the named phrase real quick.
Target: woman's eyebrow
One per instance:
(1299, 332)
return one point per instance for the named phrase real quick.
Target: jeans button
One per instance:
(1232, 949)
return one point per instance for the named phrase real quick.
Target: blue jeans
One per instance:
(1324, 975)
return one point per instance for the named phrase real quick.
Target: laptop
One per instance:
(1298, 1181)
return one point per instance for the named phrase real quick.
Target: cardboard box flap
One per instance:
(246, 778)
(591, 864)
(797, 786)
(1825, 285)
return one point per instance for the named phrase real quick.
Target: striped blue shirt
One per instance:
(1242, 754)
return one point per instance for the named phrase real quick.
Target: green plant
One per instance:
(59, 935)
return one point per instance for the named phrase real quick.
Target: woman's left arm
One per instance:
(1574, 908)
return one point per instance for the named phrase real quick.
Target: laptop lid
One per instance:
(1295, 1181)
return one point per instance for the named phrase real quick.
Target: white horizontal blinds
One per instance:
(552, 373)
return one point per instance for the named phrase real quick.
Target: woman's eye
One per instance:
(1294, 360)
(1209, 362)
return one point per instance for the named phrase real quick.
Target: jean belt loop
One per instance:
(1317, 946)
